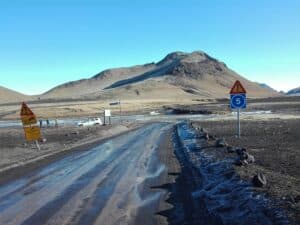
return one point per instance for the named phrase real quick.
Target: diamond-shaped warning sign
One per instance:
(237, 88)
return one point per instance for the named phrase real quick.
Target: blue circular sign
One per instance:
(238, 101)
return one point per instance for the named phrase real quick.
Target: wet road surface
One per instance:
(102, 185)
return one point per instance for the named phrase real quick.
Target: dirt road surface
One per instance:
(103, 185)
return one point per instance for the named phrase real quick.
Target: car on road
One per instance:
(90, 122)
(154, 113)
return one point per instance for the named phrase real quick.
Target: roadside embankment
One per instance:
(214, 192)
(275, 146)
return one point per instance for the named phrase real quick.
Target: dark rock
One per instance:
(231, 149)
(259, 180)
(206, 136)
(43, 140)
(212, 137)
(238, 162)
(243, 155)
(244, 158)
(221, 143)
(250, 158)
(240, 151)
(203, 130)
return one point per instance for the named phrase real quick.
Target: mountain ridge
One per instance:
(184, 74)
(9, 95)
(294, 91)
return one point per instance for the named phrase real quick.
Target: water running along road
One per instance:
(103, 185)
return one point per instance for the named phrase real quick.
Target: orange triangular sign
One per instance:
(25, 110)
(237, 88)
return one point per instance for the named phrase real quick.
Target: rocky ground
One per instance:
(275, 146)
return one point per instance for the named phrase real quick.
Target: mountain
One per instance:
(294, 92)
(183, 74)
(8, 95)
(266, 86)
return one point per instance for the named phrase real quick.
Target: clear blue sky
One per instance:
(44, 43)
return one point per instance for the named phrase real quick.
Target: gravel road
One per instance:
(102, 185)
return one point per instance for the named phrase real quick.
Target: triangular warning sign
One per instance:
(237, 88)
(25, 110)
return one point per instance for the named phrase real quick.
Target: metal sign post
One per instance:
(120, 111)
(239, 124)
(31, 129)
(37, 145)
(238, 101)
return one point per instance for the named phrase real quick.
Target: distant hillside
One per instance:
(266, 86)
(193, 73)
(8, 96)
(96, 83)
(294, 92)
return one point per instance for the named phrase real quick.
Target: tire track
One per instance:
(85, 179)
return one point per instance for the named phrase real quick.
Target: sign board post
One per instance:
(238, 101)
(120, 111)
(29, 121)
(107, 113)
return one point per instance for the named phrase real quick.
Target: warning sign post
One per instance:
(238, 101)
(29, 121)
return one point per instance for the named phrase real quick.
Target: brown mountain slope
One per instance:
(8, 96)
(195, 73)
(96, 83)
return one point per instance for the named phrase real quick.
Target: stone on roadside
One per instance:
(203, 130)
(243, 155)
(206, 136)
(238, 162)
(230, 149)
(244, 158)
(43, 140)
(240, 151)
(259, 180)
(221, 143)
(250, 158)
(212, 137)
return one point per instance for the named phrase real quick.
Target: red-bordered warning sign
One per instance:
(25, 110)
(237, 88)
(27, 116)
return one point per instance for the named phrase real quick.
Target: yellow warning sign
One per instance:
(237, 88)
(28, 120)
(32, 133)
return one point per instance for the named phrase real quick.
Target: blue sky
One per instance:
(46, 43)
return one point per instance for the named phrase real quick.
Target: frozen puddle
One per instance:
(226, 198)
